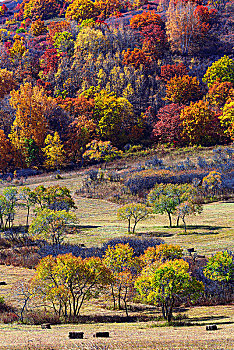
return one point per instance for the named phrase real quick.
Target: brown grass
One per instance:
(130, 335)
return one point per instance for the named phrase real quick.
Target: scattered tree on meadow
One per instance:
(166, 284)
(220, 267)
(161, 253)
(8, 201)
(25, 194)
(52, 197)
(51, 225)
(212, 183)
(124, 267)
(164, 198)
(133, 212)
(66, 281)
(188, 208)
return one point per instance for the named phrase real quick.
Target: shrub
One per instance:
(138, 244)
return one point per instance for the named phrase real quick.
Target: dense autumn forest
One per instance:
(83, 78)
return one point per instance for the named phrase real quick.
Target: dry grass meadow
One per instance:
(209, 232)
(140, 335)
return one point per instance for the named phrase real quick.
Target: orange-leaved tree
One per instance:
(7, 82)
(183, 89)
(31, 105)
(201, 124)
(6, 159)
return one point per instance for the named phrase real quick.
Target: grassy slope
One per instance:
(211, 231)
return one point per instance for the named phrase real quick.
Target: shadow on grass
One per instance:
(155, 234)
(204, 227)
(200, 321)
(83, 227)
(114, 318)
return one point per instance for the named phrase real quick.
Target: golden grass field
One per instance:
(130, 335)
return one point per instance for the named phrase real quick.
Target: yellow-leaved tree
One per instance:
(54, 152)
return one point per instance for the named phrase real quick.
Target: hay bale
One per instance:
(211, 327)
(101, 335)
(76, 335)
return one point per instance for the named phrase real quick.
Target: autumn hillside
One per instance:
(82, 81)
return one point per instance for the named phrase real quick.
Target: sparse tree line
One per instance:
(161, 276)
(77, 90)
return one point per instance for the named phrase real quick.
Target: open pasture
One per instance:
(209, 232)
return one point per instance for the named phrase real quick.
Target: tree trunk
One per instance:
(185, 227)
(27, 217)
(113, 295)
(169, 216)
(125, 302)
(129, 225)
(164, 312)
(177, 222)
(119, 298)
(134, 226)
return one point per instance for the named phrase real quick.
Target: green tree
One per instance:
(51, 225)
(133, 212)
(222, 70)
(63, 41)
(164, 198)
(25, 193)
(31, 152)
(91, 40)
(53, 197)
(188, 208)
(220, 267)
(8, 202)
(166, 284)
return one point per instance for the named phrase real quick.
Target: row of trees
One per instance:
(181, 200)
(160, 277)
